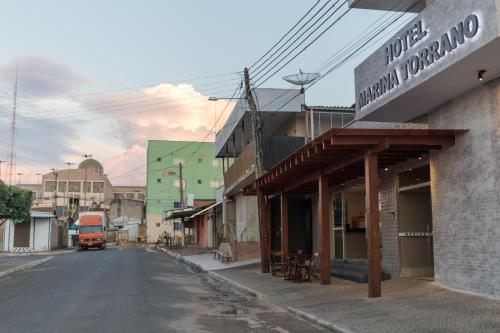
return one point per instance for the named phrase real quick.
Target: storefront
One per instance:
(357, 168)
(439, 216)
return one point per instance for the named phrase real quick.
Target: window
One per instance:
(50, 186)
(158, 224)
(199, 181)
(158, 180)
(98, 187)
(177, 226)
(200, 160)
(61, 187)
(75, 187)
(118, 195)
(158, 159)
(141, 196)
(177, 204)
(129, 195)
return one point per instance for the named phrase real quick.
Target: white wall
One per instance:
(39, 236)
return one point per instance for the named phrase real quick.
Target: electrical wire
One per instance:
(288, 32)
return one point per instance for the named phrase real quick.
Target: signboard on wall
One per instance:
(431, 60)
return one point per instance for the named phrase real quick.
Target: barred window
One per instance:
(129, 195)
(88, 187)
(118, 195)
(141, 196)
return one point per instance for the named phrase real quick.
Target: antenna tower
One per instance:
(12, 153)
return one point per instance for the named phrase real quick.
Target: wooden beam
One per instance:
(265, 254)
(284, 221)
(372, 219)
(324, 214)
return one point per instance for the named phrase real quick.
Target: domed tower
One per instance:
(92, 165)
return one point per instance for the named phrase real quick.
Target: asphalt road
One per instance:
(130, 290)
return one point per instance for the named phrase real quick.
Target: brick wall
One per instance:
(466, 193)
(388, 189)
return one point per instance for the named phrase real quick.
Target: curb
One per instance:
(313, 319)
(23, 267)
(250, 292)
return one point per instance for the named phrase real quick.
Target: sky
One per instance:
(103, 77)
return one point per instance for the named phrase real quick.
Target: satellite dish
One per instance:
(301, 79)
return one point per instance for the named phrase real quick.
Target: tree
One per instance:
(15, 203)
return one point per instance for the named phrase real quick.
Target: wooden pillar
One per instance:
(265, 231)
(372, 224)
(284, 221)
(324, 215)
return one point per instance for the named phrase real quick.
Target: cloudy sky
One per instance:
(103, 77)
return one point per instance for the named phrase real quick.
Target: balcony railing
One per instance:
(242, 164)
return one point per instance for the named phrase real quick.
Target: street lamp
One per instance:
(19, 179)
(66, 194)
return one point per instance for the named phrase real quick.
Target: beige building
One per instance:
(71, 190)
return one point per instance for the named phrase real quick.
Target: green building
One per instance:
(201, 173)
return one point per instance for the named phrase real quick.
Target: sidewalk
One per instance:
(407, 305)
(12, 264)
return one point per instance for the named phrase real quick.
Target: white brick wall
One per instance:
(466, 193)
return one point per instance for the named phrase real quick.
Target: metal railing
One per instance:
(242, 164)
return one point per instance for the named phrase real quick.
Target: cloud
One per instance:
(163, 112)
(41, 77)
(128, 168)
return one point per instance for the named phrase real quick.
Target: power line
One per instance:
(286, 34)
(260, 69)
(261, 77)
(163, 103)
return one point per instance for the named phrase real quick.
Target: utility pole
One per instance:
(256, 124)
(66, 194)
(181, 193)
(39, 191)
(86, 156)
(12, 153)
(19, 174)
(262, 204)
(54, 172)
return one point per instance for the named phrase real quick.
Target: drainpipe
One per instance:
(312, 123)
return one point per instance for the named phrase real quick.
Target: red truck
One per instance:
(91, 233)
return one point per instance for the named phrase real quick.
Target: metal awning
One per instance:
(204, 210)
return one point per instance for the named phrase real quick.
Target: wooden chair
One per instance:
(306, 269)
(277, 263)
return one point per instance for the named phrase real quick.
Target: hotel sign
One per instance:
(431, 60)
(423, 55)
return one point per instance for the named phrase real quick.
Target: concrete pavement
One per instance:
(407, 305)
(130, 290)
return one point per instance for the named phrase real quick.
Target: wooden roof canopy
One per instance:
(339, 155)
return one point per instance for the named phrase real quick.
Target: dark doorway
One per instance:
(299, 224)
(275, 224)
